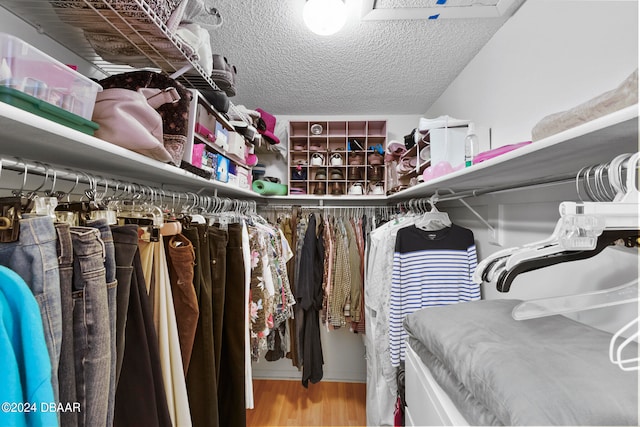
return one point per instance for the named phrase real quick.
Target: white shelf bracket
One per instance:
(492, 231)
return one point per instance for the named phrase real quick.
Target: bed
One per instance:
(473, 364)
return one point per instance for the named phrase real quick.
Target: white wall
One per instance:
(551, 56)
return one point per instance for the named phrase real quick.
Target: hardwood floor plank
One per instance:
(288, 403)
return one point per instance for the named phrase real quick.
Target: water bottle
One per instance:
(471, 145)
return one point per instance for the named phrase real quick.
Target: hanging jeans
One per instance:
(125, 239)
(92, 335)
(231, 287)
(112, 287)
(66, 368)
(202, 384)
(34, 257)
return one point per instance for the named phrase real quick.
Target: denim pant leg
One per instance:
(112, 287)
(125, 239)
(92, 336)
(66, 368)
(218, 239)
(202, 386)
(232, 402)
(34, 257)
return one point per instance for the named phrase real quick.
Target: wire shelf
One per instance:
(143, 35)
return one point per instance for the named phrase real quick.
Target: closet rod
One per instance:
(30, 167)
(453, 195)
(326, 207)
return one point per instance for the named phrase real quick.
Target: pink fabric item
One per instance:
(196, 155)
(486, 155)
(270, 123)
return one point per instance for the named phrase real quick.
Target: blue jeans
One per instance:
(112, 287)
(92, 334)
(66, 368)
(125, 238)
(35, 259)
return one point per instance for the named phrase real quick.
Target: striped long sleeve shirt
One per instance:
(430, 268)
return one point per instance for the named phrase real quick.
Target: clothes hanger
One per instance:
(148, 217)
(623, 294)
(615, 355)
(491, 266)
(584, 230)
(433, 219)
(572, 219)
(606, 239)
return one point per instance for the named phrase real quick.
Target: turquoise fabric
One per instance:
(26, 393)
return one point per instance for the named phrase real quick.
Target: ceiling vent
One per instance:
(384, 10)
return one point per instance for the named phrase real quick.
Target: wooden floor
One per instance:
(288, 403)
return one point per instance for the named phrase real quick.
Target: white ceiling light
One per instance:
(325, 17)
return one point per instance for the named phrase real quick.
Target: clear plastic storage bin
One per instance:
(27, 69)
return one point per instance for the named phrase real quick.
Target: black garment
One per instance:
(140, 396)
(125, 240)
(202, 384)
(309, 298)
(231, 388)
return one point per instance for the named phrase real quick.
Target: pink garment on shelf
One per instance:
(486, 155)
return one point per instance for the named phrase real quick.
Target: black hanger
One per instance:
(607, 238)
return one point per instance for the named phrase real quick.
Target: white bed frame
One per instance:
(427, 403)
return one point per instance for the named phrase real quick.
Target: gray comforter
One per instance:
(546, 371)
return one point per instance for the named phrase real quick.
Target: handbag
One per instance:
(174, 114)
(129, 119)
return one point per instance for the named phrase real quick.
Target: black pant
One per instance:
(202, 384)
(140, 394)
(231, 387)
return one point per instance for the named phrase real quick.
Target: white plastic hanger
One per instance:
(579, 226)
(578, 229)
(615, 356)
(433, 219)
(624, 294)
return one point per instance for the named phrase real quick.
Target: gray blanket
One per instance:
(546, 371)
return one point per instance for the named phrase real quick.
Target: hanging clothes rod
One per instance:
(99, 183)
(325, 207)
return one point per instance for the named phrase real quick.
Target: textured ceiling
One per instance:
(369, 67)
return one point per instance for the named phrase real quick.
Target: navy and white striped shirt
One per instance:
(430, 268)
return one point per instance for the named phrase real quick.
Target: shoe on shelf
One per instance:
(375, 174)
(337, 174)
(354, 174)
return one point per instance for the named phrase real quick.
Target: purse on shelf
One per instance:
(128, 118)
(174, 112)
